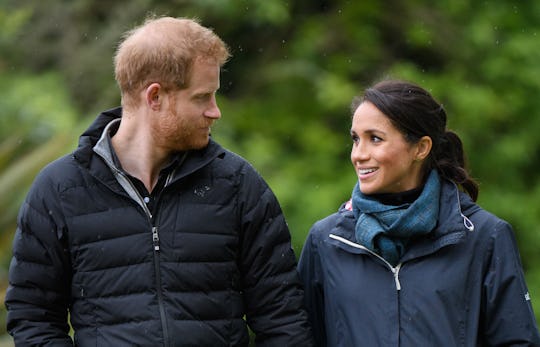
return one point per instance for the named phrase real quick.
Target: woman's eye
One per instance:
(354, 138)
(375, 138)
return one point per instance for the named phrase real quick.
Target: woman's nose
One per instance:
(359, 152)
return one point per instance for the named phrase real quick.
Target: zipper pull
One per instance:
(395, 271)
(155, 238)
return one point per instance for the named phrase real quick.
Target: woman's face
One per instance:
(383, 160)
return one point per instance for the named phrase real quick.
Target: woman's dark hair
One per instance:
(414, 112)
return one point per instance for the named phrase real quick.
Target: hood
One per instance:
(453, 224)
(455, 208)
(93, 133)
(91, 136)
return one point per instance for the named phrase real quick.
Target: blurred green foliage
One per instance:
(285, 93)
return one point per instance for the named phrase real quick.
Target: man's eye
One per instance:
(203, 97)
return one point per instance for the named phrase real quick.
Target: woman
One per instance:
(411, 260)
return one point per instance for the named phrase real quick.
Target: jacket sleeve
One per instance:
(37, 296)
(508, 316)
(309, 268)
(272, 290)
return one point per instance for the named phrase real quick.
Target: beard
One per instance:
(179, 134)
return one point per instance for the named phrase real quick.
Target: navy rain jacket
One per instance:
(216, 249)
(461, 285)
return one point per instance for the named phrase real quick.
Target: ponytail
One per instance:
(449, 160)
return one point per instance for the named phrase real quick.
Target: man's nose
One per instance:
(213, 110)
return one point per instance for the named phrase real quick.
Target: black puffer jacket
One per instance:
(217, 249)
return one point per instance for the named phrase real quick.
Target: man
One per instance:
(150, 233)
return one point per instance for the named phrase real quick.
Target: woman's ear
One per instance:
(153, 96)
(423, 148)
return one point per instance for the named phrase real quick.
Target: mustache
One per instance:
(210, 123)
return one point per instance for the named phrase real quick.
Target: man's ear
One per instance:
(423, 148)
(153, 96)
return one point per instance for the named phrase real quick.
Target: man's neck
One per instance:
(138, 155)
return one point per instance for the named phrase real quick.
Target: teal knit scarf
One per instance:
(386, 229)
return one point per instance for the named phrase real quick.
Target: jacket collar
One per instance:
(453, 224)
(452, 227)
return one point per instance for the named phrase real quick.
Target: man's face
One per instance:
(189, 113)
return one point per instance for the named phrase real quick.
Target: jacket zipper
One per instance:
(394, 270)
(136, 196)
(157, 269)
(155, 242)
(126, 183)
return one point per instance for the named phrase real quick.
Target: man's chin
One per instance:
(200, 144)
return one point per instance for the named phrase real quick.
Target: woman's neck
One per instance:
(396, 199)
